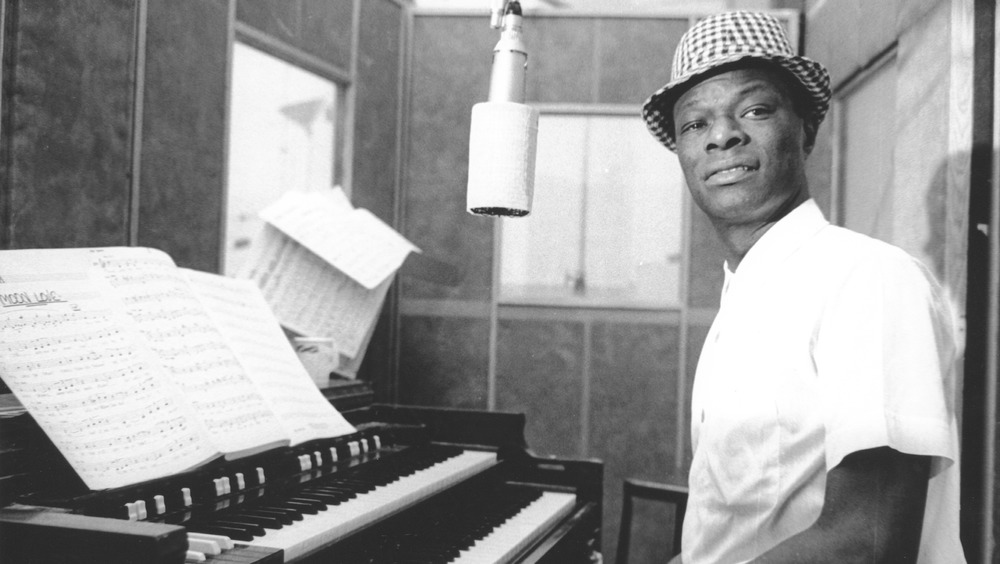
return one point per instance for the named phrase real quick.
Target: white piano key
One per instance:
(205, 546)
(186, 494)
(194, 556)
(140, 509)
(315, 531)
(520, 531)
(133, 511)
(224, 542)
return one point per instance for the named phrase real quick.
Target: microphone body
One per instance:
(503, 136)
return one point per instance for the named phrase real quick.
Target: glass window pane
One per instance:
(605, 226)
(281, 137)
(540, 253)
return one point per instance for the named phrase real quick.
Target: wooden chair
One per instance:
(654, 491)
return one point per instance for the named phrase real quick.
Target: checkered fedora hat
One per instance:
(726, 38)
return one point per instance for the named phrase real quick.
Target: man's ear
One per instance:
(809, 140)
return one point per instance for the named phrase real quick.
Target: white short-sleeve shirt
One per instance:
(827, 342)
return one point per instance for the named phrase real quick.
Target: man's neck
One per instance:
(739, 238)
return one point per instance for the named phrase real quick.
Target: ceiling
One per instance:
(613, 6)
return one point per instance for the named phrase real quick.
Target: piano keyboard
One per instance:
(473, 520)
(326, 526)
(520, 531)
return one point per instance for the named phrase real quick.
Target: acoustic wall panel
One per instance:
(635, 57)
(184, 131)
(539, 373)
(444, 361)
(68, 100)
(450, 66)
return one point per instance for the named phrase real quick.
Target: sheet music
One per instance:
(354, 241)
(191, 348)
(311, 297)
(88, 380)
(243, 316)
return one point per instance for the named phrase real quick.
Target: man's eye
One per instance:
(692, 126)
(758, 111)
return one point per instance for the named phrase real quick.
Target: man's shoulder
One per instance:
(850, 245)
(847, 254)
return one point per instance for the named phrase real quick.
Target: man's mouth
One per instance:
(731, 174)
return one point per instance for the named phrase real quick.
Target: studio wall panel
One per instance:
(633, 406)
(450, 69)
(706, 260)
(68, 108)
(376, 107)
(633, 399)
(696, 335)
(184, 131)
(635, 57)
(444, 361)
(376, 154)
(540, 373)
(561, 59)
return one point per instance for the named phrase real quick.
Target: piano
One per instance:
(413, 484)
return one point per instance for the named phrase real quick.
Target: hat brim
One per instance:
(657, 111)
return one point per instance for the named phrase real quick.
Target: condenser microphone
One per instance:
(504, 131)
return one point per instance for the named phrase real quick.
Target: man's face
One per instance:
(741, 145)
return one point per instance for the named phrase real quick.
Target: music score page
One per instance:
(244, 318)
(78, 365)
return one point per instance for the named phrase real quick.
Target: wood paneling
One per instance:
(920, 159)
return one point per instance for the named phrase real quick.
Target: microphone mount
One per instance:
(510, 55)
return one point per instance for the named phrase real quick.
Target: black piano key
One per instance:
(285, 518)
(235, 533)
(312, 502)
(252, 528)
(308, 508)
(340, 493)
(325, 499)
(289, 512)
(268, 522)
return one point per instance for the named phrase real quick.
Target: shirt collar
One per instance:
(781, 240)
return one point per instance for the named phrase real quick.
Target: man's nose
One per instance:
(725, 133)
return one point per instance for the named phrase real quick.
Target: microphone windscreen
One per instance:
(502, 147)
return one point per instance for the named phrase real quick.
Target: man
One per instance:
(822, 415)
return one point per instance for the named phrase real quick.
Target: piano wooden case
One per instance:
(414, 484)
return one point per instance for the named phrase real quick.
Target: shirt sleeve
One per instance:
(884, 354)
